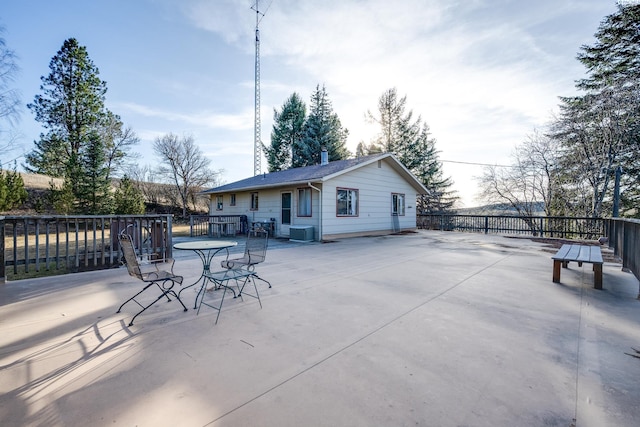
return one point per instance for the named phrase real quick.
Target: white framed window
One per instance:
(254, 201)
(304, 202)
(219, 204)
(397, 204)
(346, 202)
(233, 200)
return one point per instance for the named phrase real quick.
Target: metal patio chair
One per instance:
(162, 279)
(255, 252)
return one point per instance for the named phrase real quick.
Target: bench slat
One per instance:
(584, 254)
(562, 252)
(596, 255)
(574, 253)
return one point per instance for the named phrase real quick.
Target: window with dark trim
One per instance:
(254, 201)
(397, 204)
(346, 202)
(233, 200)
(304, 202)
(219, 203)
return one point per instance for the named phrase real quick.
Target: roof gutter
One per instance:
(320, 214)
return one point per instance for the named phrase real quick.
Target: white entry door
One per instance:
(285, 212)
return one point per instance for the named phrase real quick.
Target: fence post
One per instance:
(2, 268)
(486, 225)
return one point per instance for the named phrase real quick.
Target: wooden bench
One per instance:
(579, 253)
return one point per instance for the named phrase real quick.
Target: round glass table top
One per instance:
(203, 245)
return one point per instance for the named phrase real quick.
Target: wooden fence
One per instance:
(64, 244)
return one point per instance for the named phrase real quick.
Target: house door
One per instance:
(285, 215)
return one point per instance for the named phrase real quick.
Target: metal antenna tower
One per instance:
(257, 140)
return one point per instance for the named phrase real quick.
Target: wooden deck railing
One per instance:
(63, 244)
(624, 238)
(623, 234)
(217, 225)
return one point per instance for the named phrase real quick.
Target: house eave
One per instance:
(260, 187)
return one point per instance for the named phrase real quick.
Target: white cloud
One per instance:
(232, 122)
(483, 74)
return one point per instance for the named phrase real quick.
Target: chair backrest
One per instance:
(130, 258)
(256, 248)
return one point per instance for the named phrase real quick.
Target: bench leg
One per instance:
(565, 264)
(597, 276)
(556, 271)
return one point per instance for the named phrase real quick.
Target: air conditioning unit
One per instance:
(301, 233)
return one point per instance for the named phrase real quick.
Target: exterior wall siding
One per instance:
(375, 186)
(269, 201)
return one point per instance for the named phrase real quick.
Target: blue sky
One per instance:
(482, 73)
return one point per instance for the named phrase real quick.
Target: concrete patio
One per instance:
(424, 329)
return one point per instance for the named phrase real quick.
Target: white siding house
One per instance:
(362, 196)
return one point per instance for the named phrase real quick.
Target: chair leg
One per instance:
(260, 278)
(252, 279)
(203, 291)
(141, 311)
(169, 290)
(165, 293)
(179, 300)
(133, 298)
(256, 288)
(162, 290)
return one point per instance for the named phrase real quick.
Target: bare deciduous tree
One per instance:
(118, 143)
(184, 165)
(9, 97)
(530, 183)
(145, 180)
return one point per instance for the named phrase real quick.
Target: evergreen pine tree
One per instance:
(93, 191)
(322, 129)
(411, 142)
(71, 109)
(288, 127)
(128, 199)
(600, 129)
(12, 191)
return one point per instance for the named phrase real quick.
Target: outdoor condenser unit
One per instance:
(303, 233)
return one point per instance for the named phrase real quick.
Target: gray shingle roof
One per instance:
(297, 175)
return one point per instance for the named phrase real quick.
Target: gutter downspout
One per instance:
(320, 215)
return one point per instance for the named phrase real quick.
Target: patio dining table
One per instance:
(206, 250)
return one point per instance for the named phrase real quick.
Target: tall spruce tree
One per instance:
(411, 141)
(600, 130)
(93, 189)
(322, 129)
(615, 56)
(287, 133)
